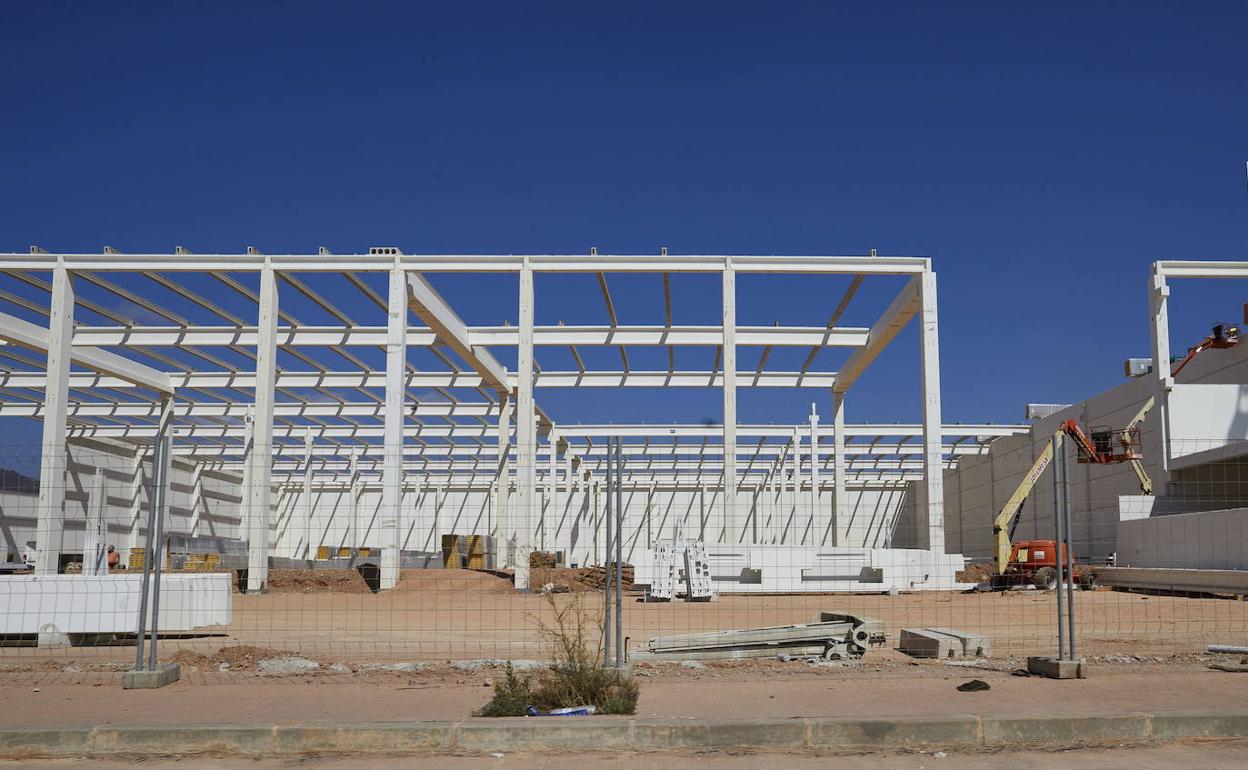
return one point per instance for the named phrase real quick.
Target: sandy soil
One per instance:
(442, 615)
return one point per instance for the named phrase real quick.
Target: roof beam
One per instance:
(367, 379)
(473, 337)
(430, 307)
(904, 307)
(459, 263)
(26, 334)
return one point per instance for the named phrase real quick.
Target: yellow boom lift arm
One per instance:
(1089, 451)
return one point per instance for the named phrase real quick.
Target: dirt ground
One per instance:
(444, 615)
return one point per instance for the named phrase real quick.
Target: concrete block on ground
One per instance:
(1208, 725)
(973, 645)
(163, 674)
(364, 738)
(902, 732)
(1054, 668)
(539, 733)
(652, 734)
(218, 739)
(52, 742)
(925, 643)
(1088, 729)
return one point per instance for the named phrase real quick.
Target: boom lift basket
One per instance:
(1112, 445)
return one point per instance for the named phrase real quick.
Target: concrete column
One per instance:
(526, 433)
(392, 470)
(552, 488)
(53, 459)
(95, 538)
(138, 489)
(355, 534)
(732, 527)
(197, 498)
(795, 463)
(260, 459)
(1159, 305)
(841, 510)
(308, 507)
(816, 536)
(932, 520)
(164, 437)
(502, 478)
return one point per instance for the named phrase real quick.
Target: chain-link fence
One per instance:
(473, 565)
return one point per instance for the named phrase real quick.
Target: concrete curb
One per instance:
(619, 734)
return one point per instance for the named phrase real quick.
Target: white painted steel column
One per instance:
(841, 512)
(308, 507)
(260, 460)
(731, 527)
(933, 462)
(50, 531)
(392, 473)
(526, 433)
(1159, 305)
(815, 535)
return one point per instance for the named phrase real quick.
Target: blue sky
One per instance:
(1043, 156)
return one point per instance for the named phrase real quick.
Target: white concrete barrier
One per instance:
(102, 604)
(799, 569)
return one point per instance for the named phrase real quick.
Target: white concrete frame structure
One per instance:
(276, 441)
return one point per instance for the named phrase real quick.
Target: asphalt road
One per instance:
(1207, 756)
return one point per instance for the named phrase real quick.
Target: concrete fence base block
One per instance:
(619, 734)
(1055, 668)
(163, 674)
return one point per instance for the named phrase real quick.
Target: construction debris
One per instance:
(944, 643)
(835, 635)
(695, 575)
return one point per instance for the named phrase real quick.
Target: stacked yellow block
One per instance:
(476, 552)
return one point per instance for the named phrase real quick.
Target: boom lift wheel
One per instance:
(1045, 579)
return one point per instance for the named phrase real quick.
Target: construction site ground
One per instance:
(441, 615)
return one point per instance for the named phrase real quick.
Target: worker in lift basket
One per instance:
(114, 558)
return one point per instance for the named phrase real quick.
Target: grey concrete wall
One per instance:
(1205, 540)
(978, 487)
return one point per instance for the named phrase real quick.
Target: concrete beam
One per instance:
(26, 334)
(899, 312)
(430, 307)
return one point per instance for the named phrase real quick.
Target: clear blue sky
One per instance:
(1042, 155)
